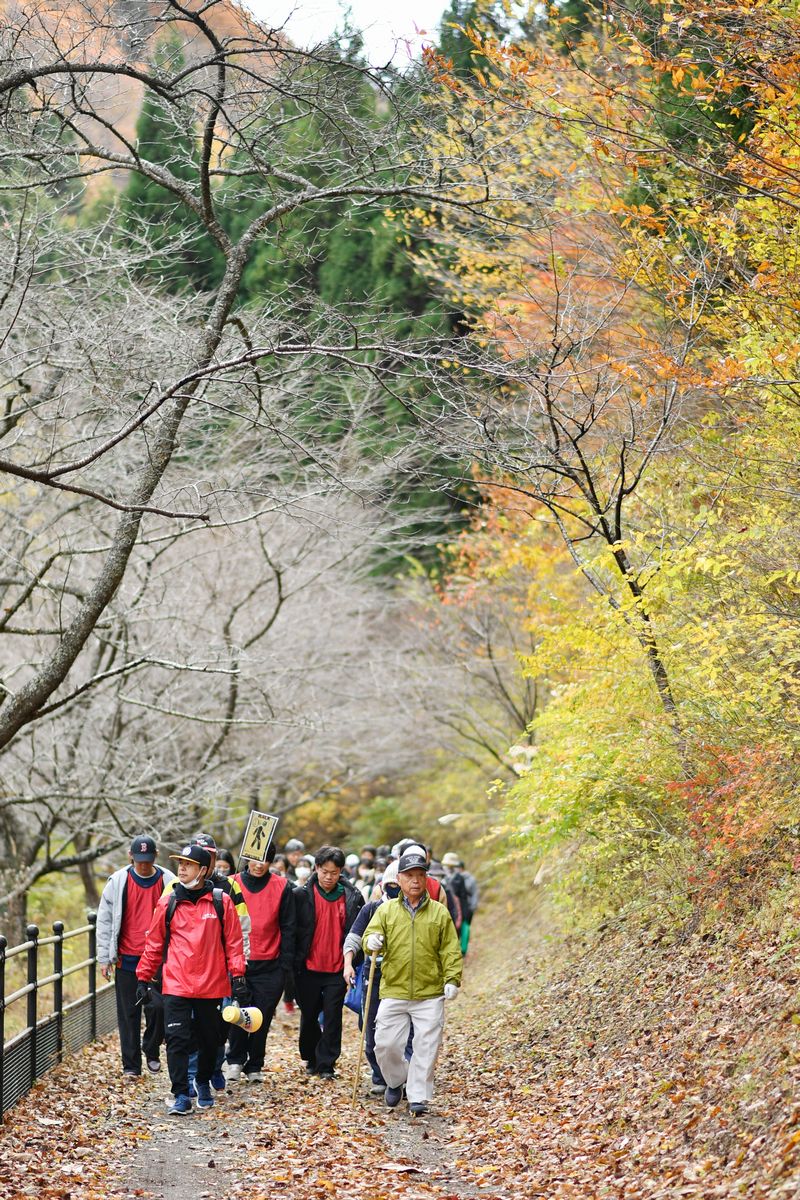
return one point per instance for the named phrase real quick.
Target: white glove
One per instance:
(374, 941)
(451, 991)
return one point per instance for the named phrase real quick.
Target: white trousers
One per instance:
(391, 1034)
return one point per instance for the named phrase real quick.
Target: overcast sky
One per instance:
(384, 23)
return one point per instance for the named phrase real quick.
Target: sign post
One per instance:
(258, 835)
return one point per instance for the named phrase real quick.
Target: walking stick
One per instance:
(370, 981)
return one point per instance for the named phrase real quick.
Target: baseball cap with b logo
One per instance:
(143, 849)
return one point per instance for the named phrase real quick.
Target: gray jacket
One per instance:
(109, 914)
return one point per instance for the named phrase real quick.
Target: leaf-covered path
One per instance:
(643, 1068)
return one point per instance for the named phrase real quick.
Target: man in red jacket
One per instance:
(270, 903)
(195, 938)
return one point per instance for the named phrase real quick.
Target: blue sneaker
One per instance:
(180, 1106)
(393, 1096)
(192, 1088)
(204, 1097)
(218, 1081)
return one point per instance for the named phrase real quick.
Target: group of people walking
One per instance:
(185, 944)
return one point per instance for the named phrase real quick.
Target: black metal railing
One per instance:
(66, 1026)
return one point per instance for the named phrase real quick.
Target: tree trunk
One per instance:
(14, 919)
(90, 888)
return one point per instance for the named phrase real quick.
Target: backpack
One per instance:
(172, 904)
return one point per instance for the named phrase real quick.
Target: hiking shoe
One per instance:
(204, 1097)
(418, 1108)
(377, 1088)
(311, 1070)
(234, 1072)
(326, 1073)
(153, 1065)
(288, 1006)
(129, 1076)
(218, 1081)
(254, 1077)
(180, 1106)
(392, 1096)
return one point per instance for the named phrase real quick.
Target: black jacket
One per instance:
(307, 916)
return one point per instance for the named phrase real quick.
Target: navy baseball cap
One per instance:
(197, 854)
(143, 849)
(412, 861)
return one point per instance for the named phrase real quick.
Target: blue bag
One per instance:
(354, 997)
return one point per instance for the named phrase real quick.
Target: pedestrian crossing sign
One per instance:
(258, 835)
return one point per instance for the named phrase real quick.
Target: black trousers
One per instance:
(129, 1020)
(266, 981)
(191, 1024)
(320, 991)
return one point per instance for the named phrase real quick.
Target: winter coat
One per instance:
(197, 963)
(230, 885)
(421, 951)
(110, 912)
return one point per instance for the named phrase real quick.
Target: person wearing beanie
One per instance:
(270, 902)
(387, 889)
(421, 968)
(195, 943)
(123, 918)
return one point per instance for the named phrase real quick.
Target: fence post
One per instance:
(3, 944)
(92, 918)
(58, 986)
(32, 935)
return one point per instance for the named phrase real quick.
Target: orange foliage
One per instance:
(733, 801)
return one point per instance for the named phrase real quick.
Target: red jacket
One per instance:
(197, 965)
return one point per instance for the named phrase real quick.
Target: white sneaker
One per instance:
(254, 1077)
(234, 1072)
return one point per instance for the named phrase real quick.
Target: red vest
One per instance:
(434, 889)
(326, 952)
(264, 908)
(140, 903)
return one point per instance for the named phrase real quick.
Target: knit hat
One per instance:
(390, 874)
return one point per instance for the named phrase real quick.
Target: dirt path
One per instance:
(294, 1132)
(115, 1141)
(642, 1068)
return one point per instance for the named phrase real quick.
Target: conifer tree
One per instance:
(182, 254)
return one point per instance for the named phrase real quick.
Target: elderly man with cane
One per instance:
(421, 968)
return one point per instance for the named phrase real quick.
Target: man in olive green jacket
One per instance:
(421, 968)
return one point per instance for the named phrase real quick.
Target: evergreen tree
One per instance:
(154, 212)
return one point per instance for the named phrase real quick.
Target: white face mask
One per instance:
(365, 872)
(303, 872)
(197, 882)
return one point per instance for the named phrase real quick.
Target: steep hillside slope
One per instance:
(117, 31)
